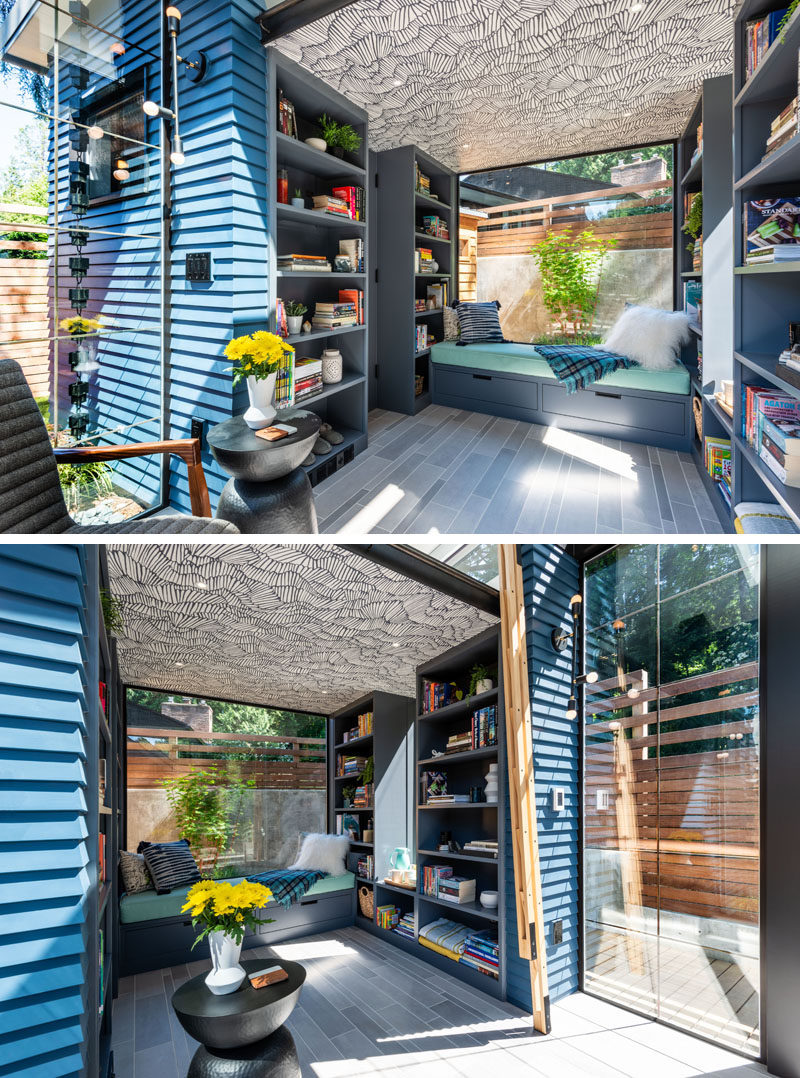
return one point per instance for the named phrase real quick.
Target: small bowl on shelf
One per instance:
(488, 899)
(317, 144)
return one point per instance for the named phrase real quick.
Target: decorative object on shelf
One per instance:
(369, 834)
(294, 315)
(479, 680)
(257, 357)
(283, 187)
(329, 128)
(298, 201)
(348, 793)
(331, 366)
(225, 912)
(346, 140)
(491, 779)
(342, 264)
(317, 144)
(488, 899)
(334, 438)
(306, 326)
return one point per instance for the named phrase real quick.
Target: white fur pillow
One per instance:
(326, 853)
(650, 337)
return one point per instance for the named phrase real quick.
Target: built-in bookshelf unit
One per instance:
(417, 222)
(703, 168)
(464, 822)
(305, 231)
(765, 295)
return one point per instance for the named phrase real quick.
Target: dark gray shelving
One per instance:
(304, 231)
(400, 210)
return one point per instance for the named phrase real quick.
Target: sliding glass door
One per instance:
(671, 787)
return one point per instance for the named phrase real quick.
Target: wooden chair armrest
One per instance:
(188, 449)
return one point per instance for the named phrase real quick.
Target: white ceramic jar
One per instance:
(331, 366)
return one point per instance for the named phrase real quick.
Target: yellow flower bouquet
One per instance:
(220, 906)
(78, 326)
(257, 355)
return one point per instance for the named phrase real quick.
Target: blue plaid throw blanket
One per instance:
(577, 366)
(288, 884)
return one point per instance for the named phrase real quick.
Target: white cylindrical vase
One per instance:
(260, 392)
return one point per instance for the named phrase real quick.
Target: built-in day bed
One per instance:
(514, 381)
(155, 933)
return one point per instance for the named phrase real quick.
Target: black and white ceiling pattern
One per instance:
(478, 83)
(295, 626)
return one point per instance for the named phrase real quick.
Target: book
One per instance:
(787, 469)
(354, 250)
(784, 433)
(771, 222)
(456, 889)
(760, 33)
(355, 298)
(693, 299)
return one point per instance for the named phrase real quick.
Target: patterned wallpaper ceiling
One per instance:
(295, 626)
(495, 82)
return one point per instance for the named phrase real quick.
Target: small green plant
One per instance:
(570, 266)
(295, 308)
(787, 19)
(329, 128)
(476, 674)
(369, 770)
(43, 404)
(348, 138)
(693, 225)
(298, 193)
(207, 806)
(77, 480)
(113, 614)
(348, 793)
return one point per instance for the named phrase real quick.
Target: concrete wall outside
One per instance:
(628, 277)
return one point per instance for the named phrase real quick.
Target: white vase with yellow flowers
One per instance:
(225, 912)
(258, 357)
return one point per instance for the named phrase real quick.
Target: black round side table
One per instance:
(268, 491)
(240, 1034)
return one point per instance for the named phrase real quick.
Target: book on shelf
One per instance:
(448, 799)
(406, 926)
(789, 252)
(783, 128)
(786, 466)
(483, 732)
(759, 34)
(482, 952)
(693, 300)
(422, 183)
(102, 868)
(365, 867)
(456, 889)
(294, 262)
(431, 877)
(773, 222)
(361, 729)
(765, 401)
(351, 765)
(353, 199)
(363, 796)
(717, 460)
(483, 847)
(437, 694)
(438, 293)
(435, 226)
(331, 204)
(432, 784)
(284, 383)
(334, 315)
(423, 260)
(354, 250)
(460, 742)
(387, 916)
(354, 297)
(287, 121)
(423, 338)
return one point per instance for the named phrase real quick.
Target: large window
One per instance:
(671, 786)
(255, 777)
(564, 245)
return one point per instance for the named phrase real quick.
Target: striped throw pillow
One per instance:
(171, 864)
(480, 322)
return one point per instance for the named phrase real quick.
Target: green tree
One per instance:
(570, 266)
(207, 806)
(24, 181)
(598, 166)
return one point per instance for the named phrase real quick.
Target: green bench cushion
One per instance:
(148, 906)
(524, 359)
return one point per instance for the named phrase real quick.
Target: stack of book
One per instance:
(354, 250)
(457, 890)
(448, 799)
(423, 260)
(363, 796)
(307, 378)
(353, 198)
(484, 728)
(436, 694)
(772, 230)
(482, 952)
(365, 724)
(351, 765)
(760, 402)
(435, 226)
(355, 298)
(421, 342)
(406, 926)
(717, 460)
(432, 875)
(422, 183)
(295, 263)
(782, 128)
(366, 867)
(483, 846)
(780, 449)
(387, 917)
(334, 315)
(339, 207)
(759, 35)
(431, 784)
(459, 742)
(419, 304)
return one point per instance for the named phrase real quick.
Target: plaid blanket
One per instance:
(288, 884)
(577, 366)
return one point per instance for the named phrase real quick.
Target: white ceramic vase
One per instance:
(226, 974)
(260, 392)
(490, 791)
(484, 685)
(331, 366)
(295, 323)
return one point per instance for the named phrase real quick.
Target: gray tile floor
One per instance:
(369, 1008)
(449, 471)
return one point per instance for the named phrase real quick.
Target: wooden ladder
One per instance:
(521, 785)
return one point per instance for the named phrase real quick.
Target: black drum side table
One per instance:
(268, 492)
(241, 1034)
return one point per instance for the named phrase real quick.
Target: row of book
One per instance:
(363, 725)
(436, 694)
(482, 952)
(439, 881)
(771, 425)
(342, 202)
(782, 128)
(363, 796)
(366, 867)
(406, 926)
(759, 35)
(717, 461)
(354, 250)
(423, 260)
(299, 263)
(345, 312)
(307, 378)
(771, 230)
(423, 338)
(422, 183)
(483, 732)
(350, 765)
(435, 226)
(387, 916)
(459, 742)
(482, 846)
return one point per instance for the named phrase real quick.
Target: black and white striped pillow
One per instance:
(171, 864)
(480, 322)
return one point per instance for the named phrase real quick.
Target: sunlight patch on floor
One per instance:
(307, 949)
(374, 511)
(602, 456)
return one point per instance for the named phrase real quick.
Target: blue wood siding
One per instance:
(45, 704)
(550, 577)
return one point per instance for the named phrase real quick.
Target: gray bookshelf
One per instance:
(709, 356)
(465, 821)
(304, 231)
(400, 212)
(765, 297)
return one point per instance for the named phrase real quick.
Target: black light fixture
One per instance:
(560, 639)
(195, 64)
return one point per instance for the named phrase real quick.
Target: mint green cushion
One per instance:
(148, 906)
(524, 359)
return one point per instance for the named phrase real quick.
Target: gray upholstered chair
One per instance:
(30, 494)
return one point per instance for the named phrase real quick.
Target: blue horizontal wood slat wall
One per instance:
(45, 705)
(550, 577)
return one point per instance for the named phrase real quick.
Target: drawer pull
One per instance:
(483, 377)
(613, 396)
(309, 902)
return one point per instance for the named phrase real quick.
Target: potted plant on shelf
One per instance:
(257, 357)
(348, 793)
(479, 680)
(225, 912)
(347, 140)
(294, 315)
(329, 128)
(298, 201)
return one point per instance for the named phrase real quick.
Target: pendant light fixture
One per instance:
(195, 64)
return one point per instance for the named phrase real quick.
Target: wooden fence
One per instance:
(293, 763)
(24, 300)
(692, 835)
(513, 228)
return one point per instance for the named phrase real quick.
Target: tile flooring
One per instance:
(449, 471)
(369, 1008)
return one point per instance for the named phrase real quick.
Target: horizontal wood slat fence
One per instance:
(514, 227)
(694, 813)
(24, 299)
(275, 762)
